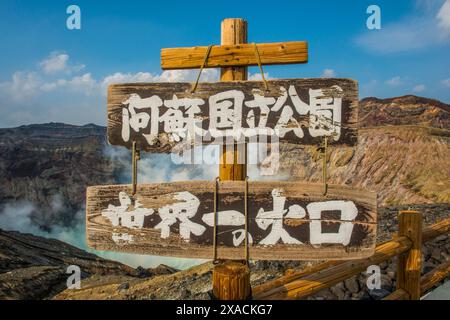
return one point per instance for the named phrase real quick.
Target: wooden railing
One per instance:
(406, 245)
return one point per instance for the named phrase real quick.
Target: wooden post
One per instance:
(234, 31)
(231, 279)
(410, 264)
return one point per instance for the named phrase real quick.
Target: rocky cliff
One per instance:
(33, 267)
(403, 153)
(50, 166)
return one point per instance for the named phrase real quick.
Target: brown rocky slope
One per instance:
(33, 267)
(403, 153)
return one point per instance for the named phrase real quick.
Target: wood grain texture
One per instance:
(235, 55)
(427, 282)
(146, 239)
(409, 265)
(435, 230)
(313, 283)
(119, 112)
(398, 294)
(429, 233)
(231, 281)
(233, 32)
(434, 277)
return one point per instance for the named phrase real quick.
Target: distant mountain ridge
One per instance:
(403, 152)
(406, 110)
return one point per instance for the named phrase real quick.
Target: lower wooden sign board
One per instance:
(286, 220)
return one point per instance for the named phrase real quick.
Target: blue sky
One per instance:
(49, 73)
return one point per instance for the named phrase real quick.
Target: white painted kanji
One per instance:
(185, 206)
(140, 120)
(180, 211)
(348, 213)
(287, 122)
(320, 114)
(126, 214)
(225, 113)
(275, 218)
(263, 104)
(325, 113)
(239, 237)
(180, 121)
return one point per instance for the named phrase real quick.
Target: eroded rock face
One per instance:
(406, 110)
(402, 153)
(49, 166)
(33, 267)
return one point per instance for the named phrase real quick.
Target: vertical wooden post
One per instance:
(410, 264)
(234, 31)
(231, 279)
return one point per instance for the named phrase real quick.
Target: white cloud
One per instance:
(50, 86)
(26, 86)
(423, 29)
(446, 82)
(419, 88)
(54, 63)
(58, 62)
(443, 16)
(22, 86)
(24, 83)
(35, 96)
(328, 73)
(83, 83)
(394, 82)
(208, 75)
(257, 76)
(119, 77)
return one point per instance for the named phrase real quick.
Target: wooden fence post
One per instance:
(231, 279)
(409, 265)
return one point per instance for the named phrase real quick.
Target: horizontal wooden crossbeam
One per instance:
(235, 55)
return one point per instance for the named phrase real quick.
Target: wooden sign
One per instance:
(159, 116)
(286, 220)
(235, 55)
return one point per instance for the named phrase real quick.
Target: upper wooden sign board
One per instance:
(286, 220)
(159, 116)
